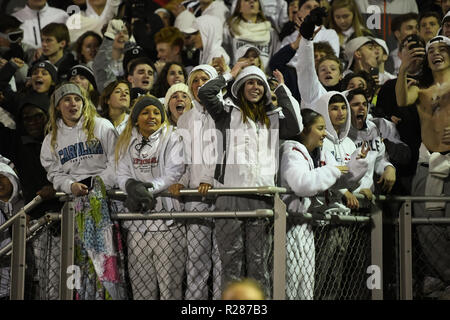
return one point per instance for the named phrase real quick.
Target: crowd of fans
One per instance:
(329, 99)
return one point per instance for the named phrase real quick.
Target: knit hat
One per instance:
(208, 69)
(64, 90)
(47, 65)
(353, 45)
(144, 102)
(130, 53)
(251, 72)
(443, 39)
(85, 72)
(173, 89)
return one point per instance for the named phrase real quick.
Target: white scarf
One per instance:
(253, 32)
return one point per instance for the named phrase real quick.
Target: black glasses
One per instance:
(13, 36)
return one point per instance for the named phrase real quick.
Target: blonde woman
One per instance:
(78, 155)
(149, 158)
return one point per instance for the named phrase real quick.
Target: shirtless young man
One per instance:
(432, 98)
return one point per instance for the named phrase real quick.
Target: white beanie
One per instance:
(173, 89)
(251, 72)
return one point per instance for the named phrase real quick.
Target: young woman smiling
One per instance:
(149, 158)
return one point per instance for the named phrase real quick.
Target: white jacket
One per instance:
(34, 20)
(75, 159)
(376, 156)
(200, 139)
(299, 175)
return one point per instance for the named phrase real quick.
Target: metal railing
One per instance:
(279, 233)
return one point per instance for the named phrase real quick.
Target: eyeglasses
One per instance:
(13, 36)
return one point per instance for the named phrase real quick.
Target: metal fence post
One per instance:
(377, 249)
(67, 249)
(279, 249)
(18, 258)
(405, 252)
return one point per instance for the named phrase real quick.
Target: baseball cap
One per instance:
(437, 39)
(381, 43)
(185, 22)
(353, 45)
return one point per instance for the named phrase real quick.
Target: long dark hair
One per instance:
(161, 86)
(309, 117)
(254, 111)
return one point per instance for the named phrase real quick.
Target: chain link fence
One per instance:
(327, 261)
(194, 258)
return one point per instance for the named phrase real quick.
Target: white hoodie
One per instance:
(340, 146)
(299, 175)
(376, 156)
(74, 159)
(159, 162)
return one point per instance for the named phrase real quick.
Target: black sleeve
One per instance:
(208, 97)
(289, 126)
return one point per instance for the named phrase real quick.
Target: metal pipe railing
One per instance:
(279, 213)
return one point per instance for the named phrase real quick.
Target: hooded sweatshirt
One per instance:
(7, 210)
(376, 156)
(211, 31)
(158, 161)
(340, 146)
(249, 153)
(75, 159)
(307, 181)
(200, 140)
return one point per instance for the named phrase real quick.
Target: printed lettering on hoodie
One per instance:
(145, 165)
(374, 144)
(80, 151)
(263, 48)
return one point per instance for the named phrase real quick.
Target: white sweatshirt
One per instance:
(75, 159)
(199, 132)
(299, 175)
(376, 156)
(160, 162)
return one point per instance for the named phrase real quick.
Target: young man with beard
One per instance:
(432, 98)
